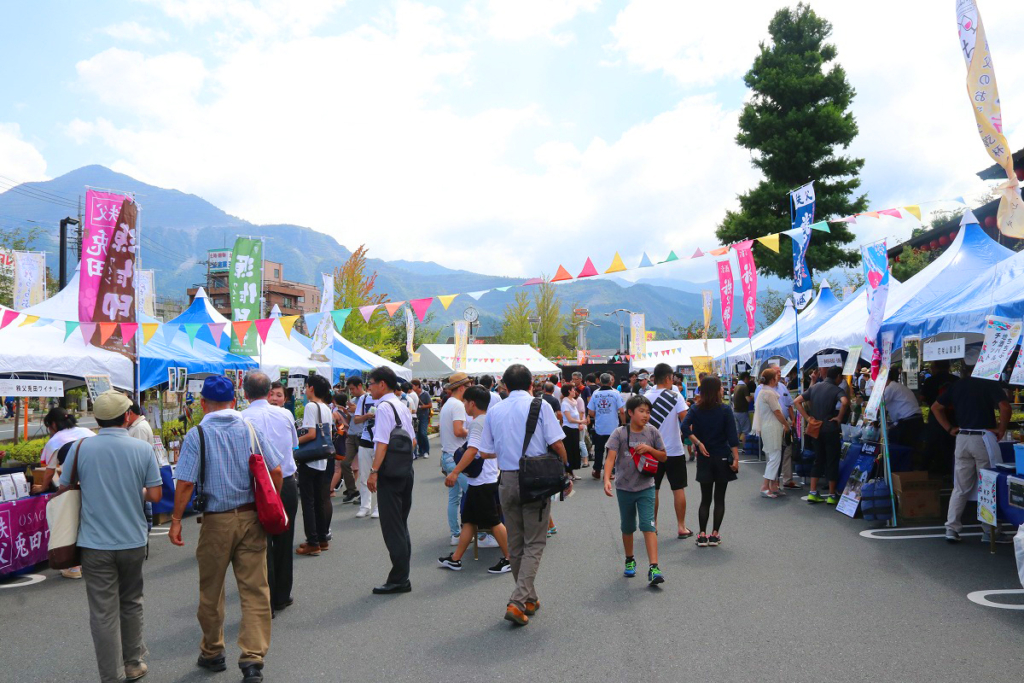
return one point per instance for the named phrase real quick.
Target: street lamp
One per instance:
(535, 327)
(64, 223)
(623, 339)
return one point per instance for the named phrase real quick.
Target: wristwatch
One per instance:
(373, 471)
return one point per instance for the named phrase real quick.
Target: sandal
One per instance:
(768, 494)
(685, 534)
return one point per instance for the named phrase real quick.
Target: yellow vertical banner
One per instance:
(638, 334)
(461, 345)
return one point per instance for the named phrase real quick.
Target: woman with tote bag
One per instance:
(314, 475)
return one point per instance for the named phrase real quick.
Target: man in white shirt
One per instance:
(902, 411)
(667, 414)
(487, 382)
(278, 428)
(526, 523)
(453, 427)
(412, 401)
(362, 422)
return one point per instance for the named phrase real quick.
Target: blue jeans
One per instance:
(422, 436)
(455, 493)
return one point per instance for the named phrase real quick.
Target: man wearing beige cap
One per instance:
(117, 475)
(454, 429)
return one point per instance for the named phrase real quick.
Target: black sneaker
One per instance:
(252, 673)
(503, 567)
(449, 563)
(348, 496)
(215, 663)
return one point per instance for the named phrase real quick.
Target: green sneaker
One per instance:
(813, 497)
(654, 576)
(833, 500)
(630, 570)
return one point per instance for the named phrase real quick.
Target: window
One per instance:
(287, 302)
(302, 299)
(277, 273)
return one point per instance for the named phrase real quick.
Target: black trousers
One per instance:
(279, 547)
(600, 441)
(314, 492)
(394, 501)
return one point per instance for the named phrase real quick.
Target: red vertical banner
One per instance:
(115, 297)
(725, 286)
(748, 281)
(101, 211)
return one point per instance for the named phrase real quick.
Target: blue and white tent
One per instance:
(821, 311)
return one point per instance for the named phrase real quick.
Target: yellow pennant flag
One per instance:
(446, 300)
(148, 330)
(914, 210)
(770, 241)
(29, 319)
(287, 323)
(617, 265)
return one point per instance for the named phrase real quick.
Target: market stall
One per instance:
(436, 360)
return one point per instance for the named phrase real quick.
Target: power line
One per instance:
(39, 190)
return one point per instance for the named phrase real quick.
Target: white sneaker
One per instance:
(487, 541)
(362, 512)
(455, 540)
(375, 514)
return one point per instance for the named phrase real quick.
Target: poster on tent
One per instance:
(638, 334)
(875, 401)
(459, 362)
(912, 360)
(802, 211)
(946, 349)
(115, 293)
(1001, 337)
(829, 360)
(321, 343)
(97, 384)
(146, 281)
(850, 500)
(852, 358)
(1017, 376)
(725, 288)
(988, 481)
(101, 212)
(29, 279)
(245, 280)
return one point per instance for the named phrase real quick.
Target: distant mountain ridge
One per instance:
(177, 229)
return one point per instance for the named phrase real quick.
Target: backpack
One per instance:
(398, 460)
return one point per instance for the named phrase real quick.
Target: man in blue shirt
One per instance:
(231, 531)
(608, 409)
(114, 469)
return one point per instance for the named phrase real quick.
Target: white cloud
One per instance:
(19, 159)
(133, 31)
(252, 18)
(522, 19)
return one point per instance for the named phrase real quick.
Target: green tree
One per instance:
(771, 304)
(797, 118)
(695, 329)
(514, 327)
(353, 287)
(547, 306)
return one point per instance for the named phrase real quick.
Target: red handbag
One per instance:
(269, 508)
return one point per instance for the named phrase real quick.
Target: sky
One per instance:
(498, 136)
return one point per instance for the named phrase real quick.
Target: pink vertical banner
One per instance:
(101, 210)
(725, 284)
(748, 280)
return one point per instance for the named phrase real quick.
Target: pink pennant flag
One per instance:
(391, 307)
(748, 281)
(420, 306)
(532, 281)
(852, 220)
(588, 269)
(87, 330)
(367, 311)
(895, 213)
(263, 327)
(128, 331)
(725, 284)
(698, 253)
(216, 329)
(8, 318)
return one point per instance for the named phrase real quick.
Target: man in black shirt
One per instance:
(974, 402)
(549, 398)
(822, 399)
(940, 444)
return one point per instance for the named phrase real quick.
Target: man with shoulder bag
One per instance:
(524, 435)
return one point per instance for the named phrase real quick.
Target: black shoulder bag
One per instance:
(397, 463)
(540, 476)
(321, 447)
(199, 501)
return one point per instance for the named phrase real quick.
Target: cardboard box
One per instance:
(918, 496)
(37, 476)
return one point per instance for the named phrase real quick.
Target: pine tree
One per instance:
(795, 122)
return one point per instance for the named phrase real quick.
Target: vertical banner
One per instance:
(638, 334)
(410, 329)
(322, 336)
(29, 279)
(1001, 337)
(876, 277)
(708, 298)
(6, 262)
(912, 360)
(984, 96)
(748, 281)
(245, 279)
(802, 211)
(101, 210)
(725, 286)
(461, 345)
(115, 295)
(147, 291)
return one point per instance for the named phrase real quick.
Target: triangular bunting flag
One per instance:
(392, 306)
(446, 300)
(961, 200)
(852, 220)
(287, 323)
(8, 318)
(561, 275)
(216, 330)
(617, 265)
(128, 331)
(719, 252)
(106, 329)
(367, 311)
(263, 327)
(192, 329)
(502, 289)
(148, 330)
(169, 332)
(313, 321)
(69, 327)
(531, 281)
(29, 319)
(645, 262)
(671, 257)
(820, 225)
(869, 214)
(895, 213)
(914, 210)
(87, 330)
(420, 306)
(698, 253)
(340, 316)
(588, 269)
(770, 241)
(476, 295)
(241, 329)
(43, 322)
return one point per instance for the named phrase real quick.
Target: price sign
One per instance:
(950, 349)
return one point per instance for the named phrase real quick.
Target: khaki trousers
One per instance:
(234, 538)
(970, 457)
(527, 526)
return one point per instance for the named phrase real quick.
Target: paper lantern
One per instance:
(943, 241)
(990, 221)
(934, 244)
(952, 235)
(897, 259)
(1020, 172)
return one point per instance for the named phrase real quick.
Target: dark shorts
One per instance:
(828, 449)
(675, 469)
(481, 506)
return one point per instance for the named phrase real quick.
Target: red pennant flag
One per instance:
(241, 329)
(128, 331)
(420, 306)
(106, 329)
(588, 269)
(263, 327)
(561, 275)
(8, 318)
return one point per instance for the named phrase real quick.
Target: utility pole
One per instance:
(81, 222)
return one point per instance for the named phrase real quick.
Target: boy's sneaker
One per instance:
(552, 530)
(833, 500)
(455, 540)
(654, 576)
(486, 541)
(450, 563)
(630, 570)
(503, 567)
(813, 497)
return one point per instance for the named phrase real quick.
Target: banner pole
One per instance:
(885, 459)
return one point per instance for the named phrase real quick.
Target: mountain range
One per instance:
(177, 229)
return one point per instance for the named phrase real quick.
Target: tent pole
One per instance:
(888, 466)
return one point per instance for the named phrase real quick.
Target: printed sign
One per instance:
(850, 500)
(949, 349)
(1001, 336)
(296, 383)
(830, 360)
(24, 536)
(97, 384)
(245, 278)
(459, 362)
(195, 386)
(788, 368)
(1015, 488)
(31, 387)
(29, 279)
(638, 328)
(219, 260)
(871, 409)
(851, 360)
(987, 481)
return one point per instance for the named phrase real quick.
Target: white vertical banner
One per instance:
(29, 279)
(410, 328)
(461, 345)
(322, 333)
(146, 282)
(638, 331)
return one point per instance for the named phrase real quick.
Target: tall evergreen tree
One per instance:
(795, 122)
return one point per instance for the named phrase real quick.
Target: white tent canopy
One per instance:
(282, 352)
(372, 358)
(481, 359)
(680, 351)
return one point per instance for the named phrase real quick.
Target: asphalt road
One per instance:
(793, 594)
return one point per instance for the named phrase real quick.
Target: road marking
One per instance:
(981, 598)
(29, 580)
(894, 534)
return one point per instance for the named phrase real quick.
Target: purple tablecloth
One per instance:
(24, 535)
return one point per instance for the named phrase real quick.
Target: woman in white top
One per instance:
(771, 425)
(315, 477)
(571, 421)
(63, 430)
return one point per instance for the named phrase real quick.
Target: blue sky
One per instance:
(513, 135)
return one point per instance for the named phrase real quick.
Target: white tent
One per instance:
(678, 352)
(373, 359)
(283, 352)
(481, 359)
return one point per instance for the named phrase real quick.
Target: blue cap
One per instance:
(218, 388)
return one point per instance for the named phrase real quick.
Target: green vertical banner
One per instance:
(245, 280)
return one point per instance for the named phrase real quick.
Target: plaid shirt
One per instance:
(228, 482)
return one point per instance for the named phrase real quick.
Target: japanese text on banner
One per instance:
(748, 281)
(725, 285)
(459, 362)
(115, 295)
(101, 210)
(1001, 337)
(638, 332)
(802, 206)
(245, 278)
